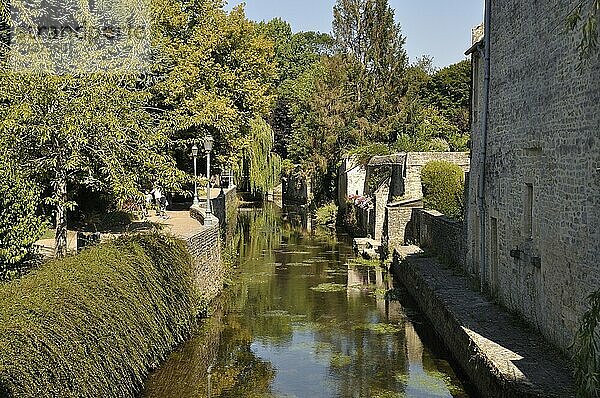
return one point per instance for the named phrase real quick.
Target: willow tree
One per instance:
(218, 78)
(584, 19)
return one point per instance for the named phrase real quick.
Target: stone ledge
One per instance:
(502, 356)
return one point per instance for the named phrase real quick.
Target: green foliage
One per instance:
(327, 215)
(219, 78)
(93, 325)
(584, 19)
(20, 225)
(587, 351)
(263, 165)
(449, 90)
(443, 188)
(364, 153)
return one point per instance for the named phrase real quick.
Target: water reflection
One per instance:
(303, 322)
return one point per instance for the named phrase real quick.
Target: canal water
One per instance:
(305, 318)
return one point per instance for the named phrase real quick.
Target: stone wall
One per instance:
(351, 181)
(431, 230)
(542, 170)
(225, 205)
(205, 248)
(415, 161)
(297, 191)
(398, 217)
(405, 183)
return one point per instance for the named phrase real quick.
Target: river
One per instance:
(304, 318)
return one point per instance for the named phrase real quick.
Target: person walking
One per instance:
(161, 202)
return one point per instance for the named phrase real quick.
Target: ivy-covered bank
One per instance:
(93, 325)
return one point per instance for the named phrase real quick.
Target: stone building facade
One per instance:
(541, 201)
(394, 182)
(352, 177)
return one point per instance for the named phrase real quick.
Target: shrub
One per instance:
(443, 188)
(94, 324)
(327, 215)
(20, 226)
(586, 350)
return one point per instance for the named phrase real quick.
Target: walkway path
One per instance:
(178, 223)
(498, 351)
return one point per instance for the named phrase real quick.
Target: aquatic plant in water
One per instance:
(329, 288)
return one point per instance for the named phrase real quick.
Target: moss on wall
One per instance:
(93, 325)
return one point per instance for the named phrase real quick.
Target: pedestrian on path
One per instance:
(161, 202)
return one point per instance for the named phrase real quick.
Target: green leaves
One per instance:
(584, 19)
(586, 350)
(20, 225)
(443, 188)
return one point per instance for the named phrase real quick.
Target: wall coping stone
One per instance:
(502, 356)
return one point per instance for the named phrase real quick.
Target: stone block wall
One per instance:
(205, 248)
(398, 218)
(351, 181)
(297, 191)
(225, 205)
(415, 161)
(542, 169)
(430, 229)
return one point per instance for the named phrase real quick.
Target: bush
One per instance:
(443, 188)
(327, 215)
(586, 350)
(20, 226)
(93, 325)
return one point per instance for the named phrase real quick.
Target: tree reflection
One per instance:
(277, 336)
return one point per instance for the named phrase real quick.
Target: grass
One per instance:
(95, 324)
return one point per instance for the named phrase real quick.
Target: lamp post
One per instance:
(208, 145)
(195, 155)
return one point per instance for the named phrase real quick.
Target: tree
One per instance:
(218, 79)
(584, 18)
(324, 125)
(372, 43)
(449, 90)
(20, 225)
(295, 53)
(91, 130)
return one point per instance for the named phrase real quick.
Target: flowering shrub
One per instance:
(362, 202)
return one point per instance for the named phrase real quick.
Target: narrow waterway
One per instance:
(304, 318)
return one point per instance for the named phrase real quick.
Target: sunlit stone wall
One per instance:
(542, 196)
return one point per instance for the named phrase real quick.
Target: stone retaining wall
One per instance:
(431, 230)
(397, 219)
(225, 205)
(501, 356)
(205, 248)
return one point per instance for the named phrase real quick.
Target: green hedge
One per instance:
(93, 325)
(443, 188)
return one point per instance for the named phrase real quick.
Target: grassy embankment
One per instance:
(95, 324)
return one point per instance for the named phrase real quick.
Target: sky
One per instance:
(438, 28)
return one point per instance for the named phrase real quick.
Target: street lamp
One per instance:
(195, 155)
(208, 145)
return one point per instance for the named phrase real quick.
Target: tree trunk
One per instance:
(60, 250)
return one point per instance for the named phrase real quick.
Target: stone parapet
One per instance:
(205, 248)
(501, 355)
(431, 230)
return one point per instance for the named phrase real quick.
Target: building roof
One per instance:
(390, 160)
(475, 47)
